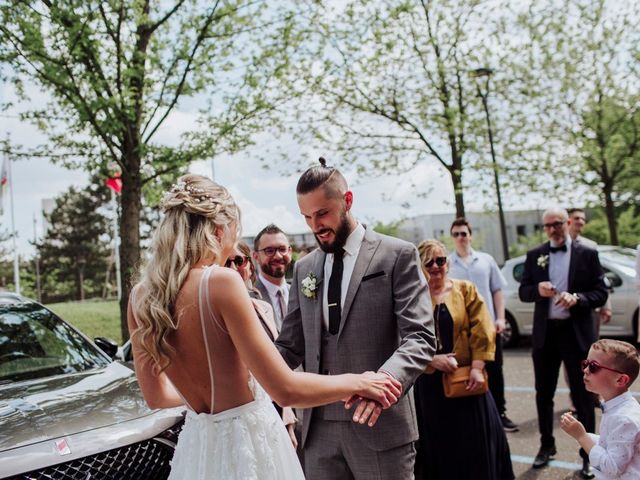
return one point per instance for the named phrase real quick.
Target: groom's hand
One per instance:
(367, 411)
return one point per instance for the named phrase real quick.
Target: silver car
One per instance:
(619, 266)
(67, 410)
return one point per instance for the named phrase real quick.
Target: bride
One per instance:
(197, 342)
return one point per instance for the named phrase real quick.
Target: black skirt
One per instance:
(460, 438)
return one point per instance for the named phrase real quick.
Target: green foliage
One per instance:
(5, 249)
(390, 228)
(579, 130)
(117, 70)
(74, 251)
(93, 318)
(526, 243)
(394, 85)
(628, 222)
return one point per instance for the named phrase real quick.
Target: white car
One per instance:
(619, 266)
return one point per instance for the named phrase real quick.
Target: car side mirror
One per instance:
(613, 279)
(107, 345)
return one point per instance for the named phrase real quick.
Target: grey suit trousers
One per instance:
(334, 451)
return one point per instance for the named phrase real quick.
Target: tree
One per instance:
(627, 222)
(74, 251)
(117, 70)
(6, 266)
(394, 85)
(578, 66)
(608, 143)
(390, 228)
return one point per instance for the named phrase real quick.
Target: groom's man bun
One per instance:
(321, 175)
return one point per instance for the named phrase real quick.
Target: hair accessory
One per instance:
(197, 194)
(323, 161)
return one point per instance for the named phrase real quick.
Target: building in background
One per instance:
(486, 228)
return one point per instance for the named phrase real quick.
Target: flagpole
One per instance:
(14, 234)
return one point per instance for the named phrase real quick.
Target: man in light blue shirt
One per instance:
(481, 269)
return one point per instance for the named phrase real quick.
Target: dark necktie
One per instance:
(335, 292)
(563, 248)
(282, 306)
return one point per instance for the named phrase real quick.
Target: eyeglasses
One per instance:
(458, 234)
(553, 225)
(271, 251)
(594, 367)
(439, 261)
(239, 260)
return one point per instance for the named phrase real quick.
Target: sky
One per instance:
(264, 196)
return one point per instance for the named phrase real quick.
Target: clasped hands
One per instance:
(382, 392)
(562, 299)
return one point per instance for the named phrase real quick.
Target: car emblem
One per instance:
(62, 447)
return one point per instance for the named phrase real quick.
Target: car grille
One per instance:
(145, 460)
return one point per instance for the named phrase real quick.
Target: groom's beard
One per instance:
(341, 235)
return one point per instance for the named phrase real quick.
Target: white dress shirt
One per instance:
(559, 263)
(272, 290)
(351, 250)
(617, 450)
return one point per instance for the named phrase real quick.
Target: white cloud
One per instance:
(255, 217)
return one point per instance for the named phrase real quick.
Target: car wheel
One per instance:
(634, 328)
(510, 335)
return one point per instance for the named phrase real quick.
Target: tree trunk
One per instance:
(611, 215)
(80, 280)
(456, 179)
(129, 234)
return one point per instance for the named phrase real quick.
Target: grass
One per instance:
(93, 318)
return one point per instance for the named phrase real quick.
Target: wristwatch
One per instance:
(577, 297)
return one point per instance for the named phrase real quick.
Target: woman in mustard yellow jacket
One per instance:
(462, 437)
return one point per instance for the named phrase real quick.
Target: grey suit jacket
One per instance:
(266, 297)
(386, 324)
(263, 291)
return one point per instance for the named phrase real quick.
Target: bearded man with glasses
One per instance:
(272, 252)
(481, 269)
(566, 282)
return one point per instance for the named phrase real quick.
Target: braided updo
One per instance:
(198, 214)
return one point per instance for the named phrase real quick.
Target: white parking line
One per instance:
(561, 390)
(552, 463)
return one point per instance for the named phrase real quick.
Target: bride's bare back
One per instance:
(196, 363)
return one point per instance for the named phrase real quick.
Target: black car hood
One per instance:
(62, 405)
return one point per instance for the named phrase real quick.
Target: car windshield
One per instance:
(34, 343)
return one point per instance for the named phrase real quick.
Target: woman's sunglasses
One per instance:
(239, 260)
(594, 367)
(439, 261)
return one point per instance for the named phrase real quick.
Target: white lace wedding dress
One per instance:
(246, 442)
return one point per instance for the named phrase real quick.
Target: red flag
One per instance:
(4, 173)
(115, 183)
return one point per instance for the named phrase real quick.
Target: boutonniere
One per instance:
(310, 285)
(543, 261)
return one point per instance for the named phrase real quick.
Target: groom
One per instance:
(358, 303)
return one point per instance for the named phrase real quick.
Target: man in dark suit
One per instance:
(565, 280)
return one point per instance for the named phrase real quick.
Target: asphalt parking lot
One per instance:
(521, 408)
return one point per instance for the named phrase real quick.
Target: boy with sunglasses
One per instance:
(610, 369)
(481, 269)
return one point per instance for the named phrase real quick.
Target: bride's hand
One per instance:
(379, 387)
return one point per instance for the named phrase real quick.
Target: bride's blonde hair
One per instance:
(197, 214)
